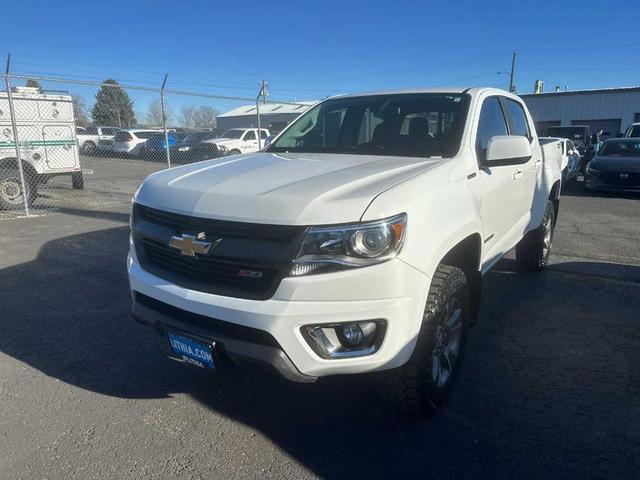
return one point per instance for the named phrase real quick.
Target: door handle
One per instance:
(518, 175)
(537, 163)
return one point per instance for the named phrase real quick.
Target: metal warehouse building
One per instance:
(611, 109)
(274, 116)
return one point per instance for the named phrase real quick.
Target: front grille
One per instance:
(613, 178)
(249, 262)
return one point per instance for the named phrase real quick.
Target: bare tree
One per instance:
(80, 110)
(205, 117)
(154, 114)
(187, 116)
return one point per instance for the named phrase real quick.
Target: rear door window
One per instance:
(517, 118)
(250, 135)
(491, 123)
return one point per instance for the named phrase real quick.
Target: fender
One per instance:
(441, 207)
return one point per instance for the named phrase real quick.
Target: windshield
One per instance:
(574, 133)
(233, 134)
(620, 149)
(412, 125)
(634, 131)
(194, 138)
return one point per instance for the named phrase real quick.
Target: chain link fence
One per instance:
(88, 145)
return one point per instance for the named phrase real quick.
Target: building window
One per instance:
(636, 117)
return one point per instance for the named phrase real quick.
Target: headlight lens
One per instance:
(222, 148)
(346, 246)
(592, 171)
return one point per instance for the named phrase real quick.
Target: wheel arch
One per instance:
(9, 163)
(466, 255)
(554, 196)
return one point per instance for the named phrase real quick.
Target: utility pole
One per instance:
(263, 91)
(512, 87)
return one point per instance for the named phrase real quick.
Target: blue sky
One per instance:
(312, 49)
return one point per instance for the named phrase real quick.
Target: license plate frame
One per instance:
(193, 351)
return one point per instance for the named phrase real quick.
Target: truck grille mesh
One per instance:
(249, 263)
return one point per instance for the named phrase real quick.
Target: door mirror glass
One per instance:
(507, 150)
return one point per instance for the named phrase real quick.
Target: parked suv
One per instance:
(132, 141)
(356, 242)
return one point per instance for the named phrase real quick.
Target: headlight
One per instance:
(346, 246)
(592, 171)
(222, 148)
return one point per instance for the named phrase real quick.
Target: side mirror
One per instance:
(507, 150)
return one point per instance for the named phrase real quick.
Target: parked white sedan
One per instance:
(131, 141)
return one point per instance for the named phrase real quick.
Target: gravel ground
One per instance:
(550, 387)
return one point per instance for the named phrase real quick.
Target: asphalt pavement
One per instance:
(550, 386)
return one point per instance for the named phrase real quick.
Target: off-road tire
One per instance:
(77, 181)
(9, 181)
(532, 252)
(412, 387)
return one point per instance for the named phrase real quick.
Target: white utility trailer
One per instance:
(46, 139)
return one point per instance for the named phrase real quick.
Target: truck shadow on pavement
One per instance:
(549, 358)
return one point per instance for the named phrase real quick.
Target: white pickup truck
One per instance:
(355, 242)
(93, 139)
(240, 140)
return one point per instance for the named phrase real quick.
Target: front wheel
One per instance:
(422, 384)
(533, 251)
(11, 195)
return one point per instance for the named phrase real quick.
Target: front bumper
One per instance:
(594, 182)
(392, 291)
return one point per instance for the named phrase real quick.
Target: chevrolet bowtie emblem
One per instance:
(189, 245)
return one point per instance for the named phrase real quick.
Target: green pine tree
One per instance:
(113, 106)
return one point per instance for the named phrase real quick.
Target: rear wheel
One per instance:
(11, 195)
(235, 151)
(422, 384)
(532, 253)
(88, 148)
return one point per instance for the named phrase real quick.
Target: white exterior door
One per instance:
(249, 142)
(502, 207)
(61, 151)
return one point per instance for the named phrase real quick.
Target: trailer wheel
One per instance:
(77, 181)
(11, 195)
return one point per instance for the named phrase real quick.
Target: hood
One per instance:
(222, 141)
(287, 189)
(616, 164)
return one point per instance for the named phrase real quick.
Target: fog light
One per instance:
(345, 340)
(353, 334)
